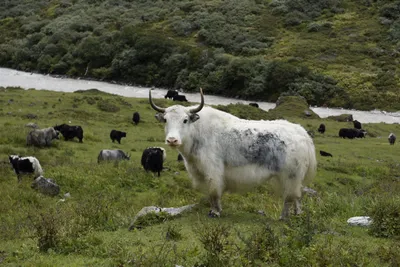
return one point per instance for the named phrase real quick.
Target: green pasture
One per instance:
(91, 227)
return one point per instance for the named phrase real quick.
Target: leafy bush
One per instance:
(215, 241)
(314, 27)
(263, 245)
(385, 214)
(173, 233)
(391, 10)
(107, 105)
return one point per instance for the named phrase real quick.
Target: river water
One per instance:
(10, 77)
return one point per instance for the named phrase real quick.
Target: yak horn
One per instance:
(154, 105)
(197, 109)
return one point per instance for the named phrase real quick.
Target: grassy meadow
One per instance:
(91, 227)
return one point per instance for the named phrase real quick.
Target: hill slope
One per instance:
(338, 52)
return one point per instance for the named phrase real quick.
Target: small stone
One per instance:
(360, 221)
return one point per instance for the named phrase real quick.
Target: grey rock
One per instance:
(171, 211)
(46, 186)
(32, 125)
(261, 212)
(360, 221)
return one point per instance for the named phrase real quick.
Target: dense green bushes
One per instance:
(235, 48)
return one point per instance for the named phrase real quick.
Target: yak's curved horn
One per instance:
(197, 109)
(154, 105)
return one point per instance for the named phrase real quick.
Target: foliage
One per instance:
(339, 53)
(385, 216)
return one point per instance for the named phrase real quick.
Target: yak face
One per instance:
(178, 121)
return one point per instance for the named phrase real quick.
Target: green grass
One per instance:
(91, 227)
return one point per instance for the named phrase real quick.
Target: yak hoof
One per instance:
(213, 214)
(283, 218)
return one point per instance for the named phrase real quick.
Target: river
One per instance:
(10, 77)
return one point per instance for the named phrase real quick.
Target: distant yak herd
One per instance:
(351, 133)
(152, 157)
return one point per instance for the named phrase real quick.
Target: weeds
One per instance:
(385, 214)
(263, 245)
(173, 233)
(47, 226)
(215, 240)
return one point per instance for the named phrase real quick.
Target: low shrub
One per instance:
(107, 106)
(385, 214)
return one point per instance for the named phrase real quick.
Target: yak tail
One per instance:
(38, 168)
(312, 167)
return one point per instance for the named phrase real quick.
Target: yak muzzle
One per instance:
(172, 141)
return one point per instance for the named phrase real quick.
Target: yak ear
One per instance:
(194, 117)
(160, 117)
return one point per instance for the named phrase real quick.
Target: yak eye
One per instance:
(185, 121)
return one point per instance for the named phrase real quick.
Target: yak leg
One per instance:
(285, 211)
(215, 194)
(297, 207)
(292, 194)
(215, 203)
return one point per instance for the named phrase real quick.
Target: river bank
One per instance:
(26, 80)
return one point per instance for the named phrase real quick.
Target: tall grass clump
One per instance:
(385, 214)
(262, 246)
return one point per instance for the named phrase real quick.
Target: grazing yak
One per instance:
(352, 133)
(136, 118)
(41, 137)
(224, 153)
(392, 138)
(25, 165)
(117, 135)
(357, 124)
(170, 94)
(70, 131)
(181, 98)
(254, 105)
(112, 154)
(153, 159)
(322, 128)
(325, 154)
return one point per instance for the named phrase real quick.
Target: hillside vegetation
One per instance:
(340, 53)
(90, 228)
